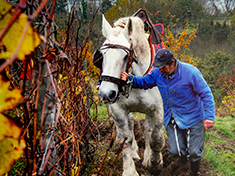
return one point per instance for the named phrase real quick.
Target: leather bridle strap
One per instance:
(129, 51)
(116, 46)
(113, 80)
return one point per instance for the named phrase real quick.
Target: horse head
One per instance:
(117, 50)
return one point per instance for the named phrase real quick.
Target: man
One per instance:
(188, 105)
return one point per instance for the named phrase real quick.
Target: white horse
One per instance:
(127, 40)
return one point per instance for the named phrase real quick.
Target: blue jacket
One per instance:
(185, 95)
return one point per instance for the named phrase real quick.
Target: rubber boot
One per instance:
(184, 163)
(195, 167)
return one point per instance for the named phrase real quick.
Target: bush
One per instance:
(215, 65)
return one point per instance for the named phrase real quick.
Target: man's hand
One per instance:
(124, 76)
(97, 87)
(208, 124)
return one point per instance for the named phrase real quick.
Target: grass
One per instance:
(101, 113)
(18, 167)
(219, 148)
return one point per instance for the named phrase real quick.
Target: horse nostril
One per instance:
(112, 95)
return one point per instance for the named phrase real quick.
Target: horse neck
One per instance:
(143, 53)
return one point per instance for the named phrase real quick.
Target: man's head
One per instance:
(165, 61)
(162, 57)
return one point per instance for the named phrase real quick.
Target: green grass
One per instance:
(18, 167)
(101, 113)
(219, 149)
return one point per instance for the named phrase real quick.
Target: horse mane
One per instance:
(137, 25)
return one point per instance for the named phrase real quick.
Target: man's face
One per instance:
(167, 69)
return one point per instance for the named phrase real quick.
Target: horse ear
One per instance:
(128, 28)
(106, 28)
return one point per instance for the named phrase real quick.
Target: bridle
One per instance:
(130, 52)
(122, 85)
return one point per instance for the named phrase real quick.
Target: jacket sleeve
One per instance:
(204, 92)
(145, 82)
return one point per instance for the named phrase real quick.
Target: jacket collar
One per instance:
(177, 73)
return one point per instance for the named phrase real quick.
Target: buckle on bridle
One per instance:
(126, 88)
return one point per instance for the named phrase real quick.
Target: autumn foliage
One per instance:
(11, 143)
(122, 8)
(228, 102)
(179, 42)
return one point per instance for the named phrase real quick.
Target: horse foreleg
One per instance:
(123, 122)
(128, 163)
(128, 153)
(134, 146)
(154, 142)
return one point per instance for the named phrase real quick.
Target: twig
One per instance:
(38, 10)
(118, 152)
(46, 154)
(106, 154)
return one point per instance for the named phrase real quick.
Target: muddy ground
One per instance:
(170, 166)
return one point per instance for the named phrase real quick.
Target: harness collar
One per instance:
(152, 56)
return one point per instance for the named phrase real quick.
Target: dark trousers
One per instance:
(187, 142)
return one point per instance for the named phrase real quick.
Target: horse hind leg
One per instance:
(154, 142)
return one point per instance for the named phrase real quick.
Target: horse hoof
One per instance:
(146, 164)
(130, 173)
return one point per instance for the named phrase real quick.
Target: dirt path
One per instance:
(171, 165)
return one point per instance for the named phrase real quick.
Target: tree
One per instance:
(60, 6)
(221, 6)
(190, 11)
(176, 13)
(105, 5)
(84, 11)
(122, 8)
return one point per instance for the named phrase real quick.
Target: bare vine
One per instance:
(61, 137)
